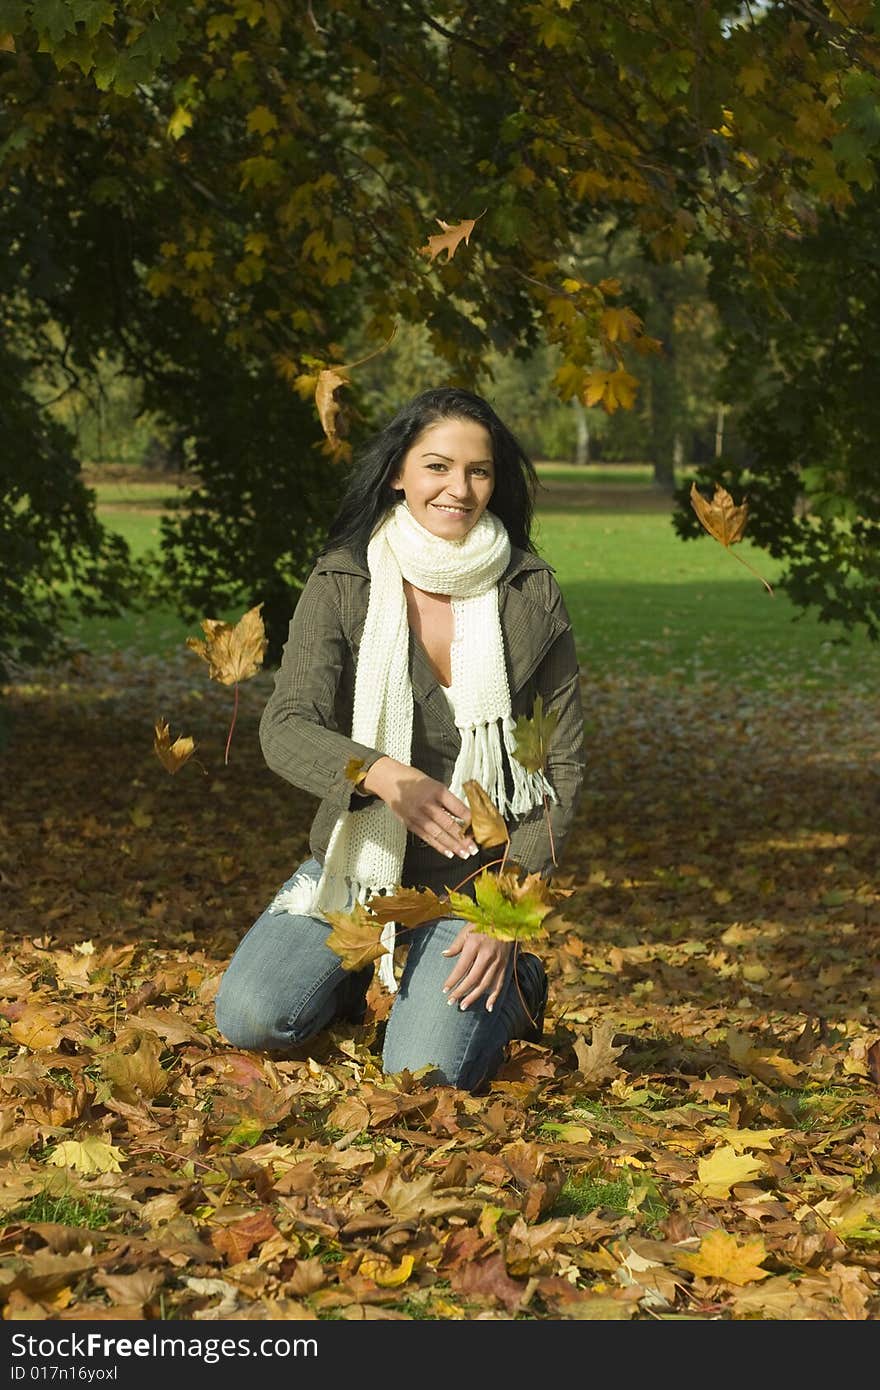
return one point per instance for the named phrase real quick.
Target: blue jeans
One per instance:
(284, 985)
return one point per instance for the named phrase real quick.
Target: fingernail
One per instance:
(474, 849)
(465, 853)
(488, 1008)
(450, 1001)
(463, 1008)
(448, 853)
(447, 952)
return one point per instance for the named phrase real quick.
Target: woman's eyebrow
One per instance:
(432, 455)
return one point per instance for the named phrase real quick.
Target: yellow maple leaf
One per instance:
(385, 1272)
(89, 1155)
(750, 1138)
(172, 756)
(724, 521)
(718, 1173)
(620, 325)
(180, 122)
(720, 1256)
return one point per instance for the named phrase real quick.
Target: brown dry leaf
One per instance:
(450, 239)
(174, 1029)
(134, 1069)
(331, 411)
(596, 1059)
(769, 1067)
(355, 937)
(172, 756)
(38, 1026)
(487, 824)
(721, 517)
(487, 1278)
(721, 1256)
(238, 1240)
(410, 907)
(131, 1289)
(409, 1200)
(234, 653)
(724, 521)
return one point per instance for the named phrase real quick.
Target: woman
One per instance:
(427, 626)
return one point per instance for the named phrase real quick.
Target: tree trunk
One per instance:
(582, 445)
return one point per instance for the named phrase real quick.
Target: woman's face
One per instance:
(447, 477)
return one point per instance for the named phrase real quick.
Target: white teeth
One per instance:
(456, 511)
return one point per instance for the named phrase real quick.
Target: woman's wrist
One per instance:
(377, 777)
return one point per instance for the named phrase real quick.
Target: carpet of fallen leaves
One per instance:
(697, 1136)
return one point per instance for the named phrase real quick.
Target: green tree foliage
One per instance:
(806, 382)
(214, 192)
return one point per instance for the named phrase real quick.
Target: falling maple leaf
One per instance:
(331, 411)
(721, 1256)
(355, 937)
(718, 1173)
(451, 238)
(533, 736)
(233, 654)
(725, 521)
(172, 756)
(487, 823)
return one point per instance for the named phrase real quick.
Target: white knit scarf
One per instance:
(366, 847)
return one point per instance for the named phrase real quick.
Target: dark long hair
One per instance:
(369, 493)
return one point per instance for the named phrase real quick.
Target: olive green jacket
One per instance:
(305, 728)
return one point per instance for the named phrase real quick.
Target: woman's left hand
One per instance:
(480, 968)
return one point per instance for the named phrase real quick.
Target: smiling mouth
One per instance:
(452, 511)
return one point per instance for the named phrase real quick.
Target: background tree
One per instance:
(214, 194)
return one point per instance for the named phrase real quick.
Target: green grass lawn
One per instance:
(640, 599)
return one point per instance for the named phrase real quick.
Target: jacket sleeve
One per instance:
(558, 682)
(298, 732)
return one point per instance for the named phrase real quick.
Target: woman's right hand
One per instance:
(425, 806)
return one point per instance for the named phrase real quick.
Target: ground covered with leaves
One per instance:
(697, 1136)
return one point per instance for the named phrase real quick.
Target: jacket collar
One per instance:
(536, 629)
(342, 561)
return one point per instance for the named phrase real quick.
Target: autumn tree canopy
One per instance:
(219, 192)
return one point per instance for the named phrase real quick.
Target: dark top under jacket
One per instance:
(305, 728)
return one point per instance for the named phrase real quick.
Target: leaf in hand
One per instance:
(487, 823)
(172, 756)
(533, 736)
(234, 653)
(410, 907)
(505, 907)
(451, 238)
(724, 521)
(355, 937)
